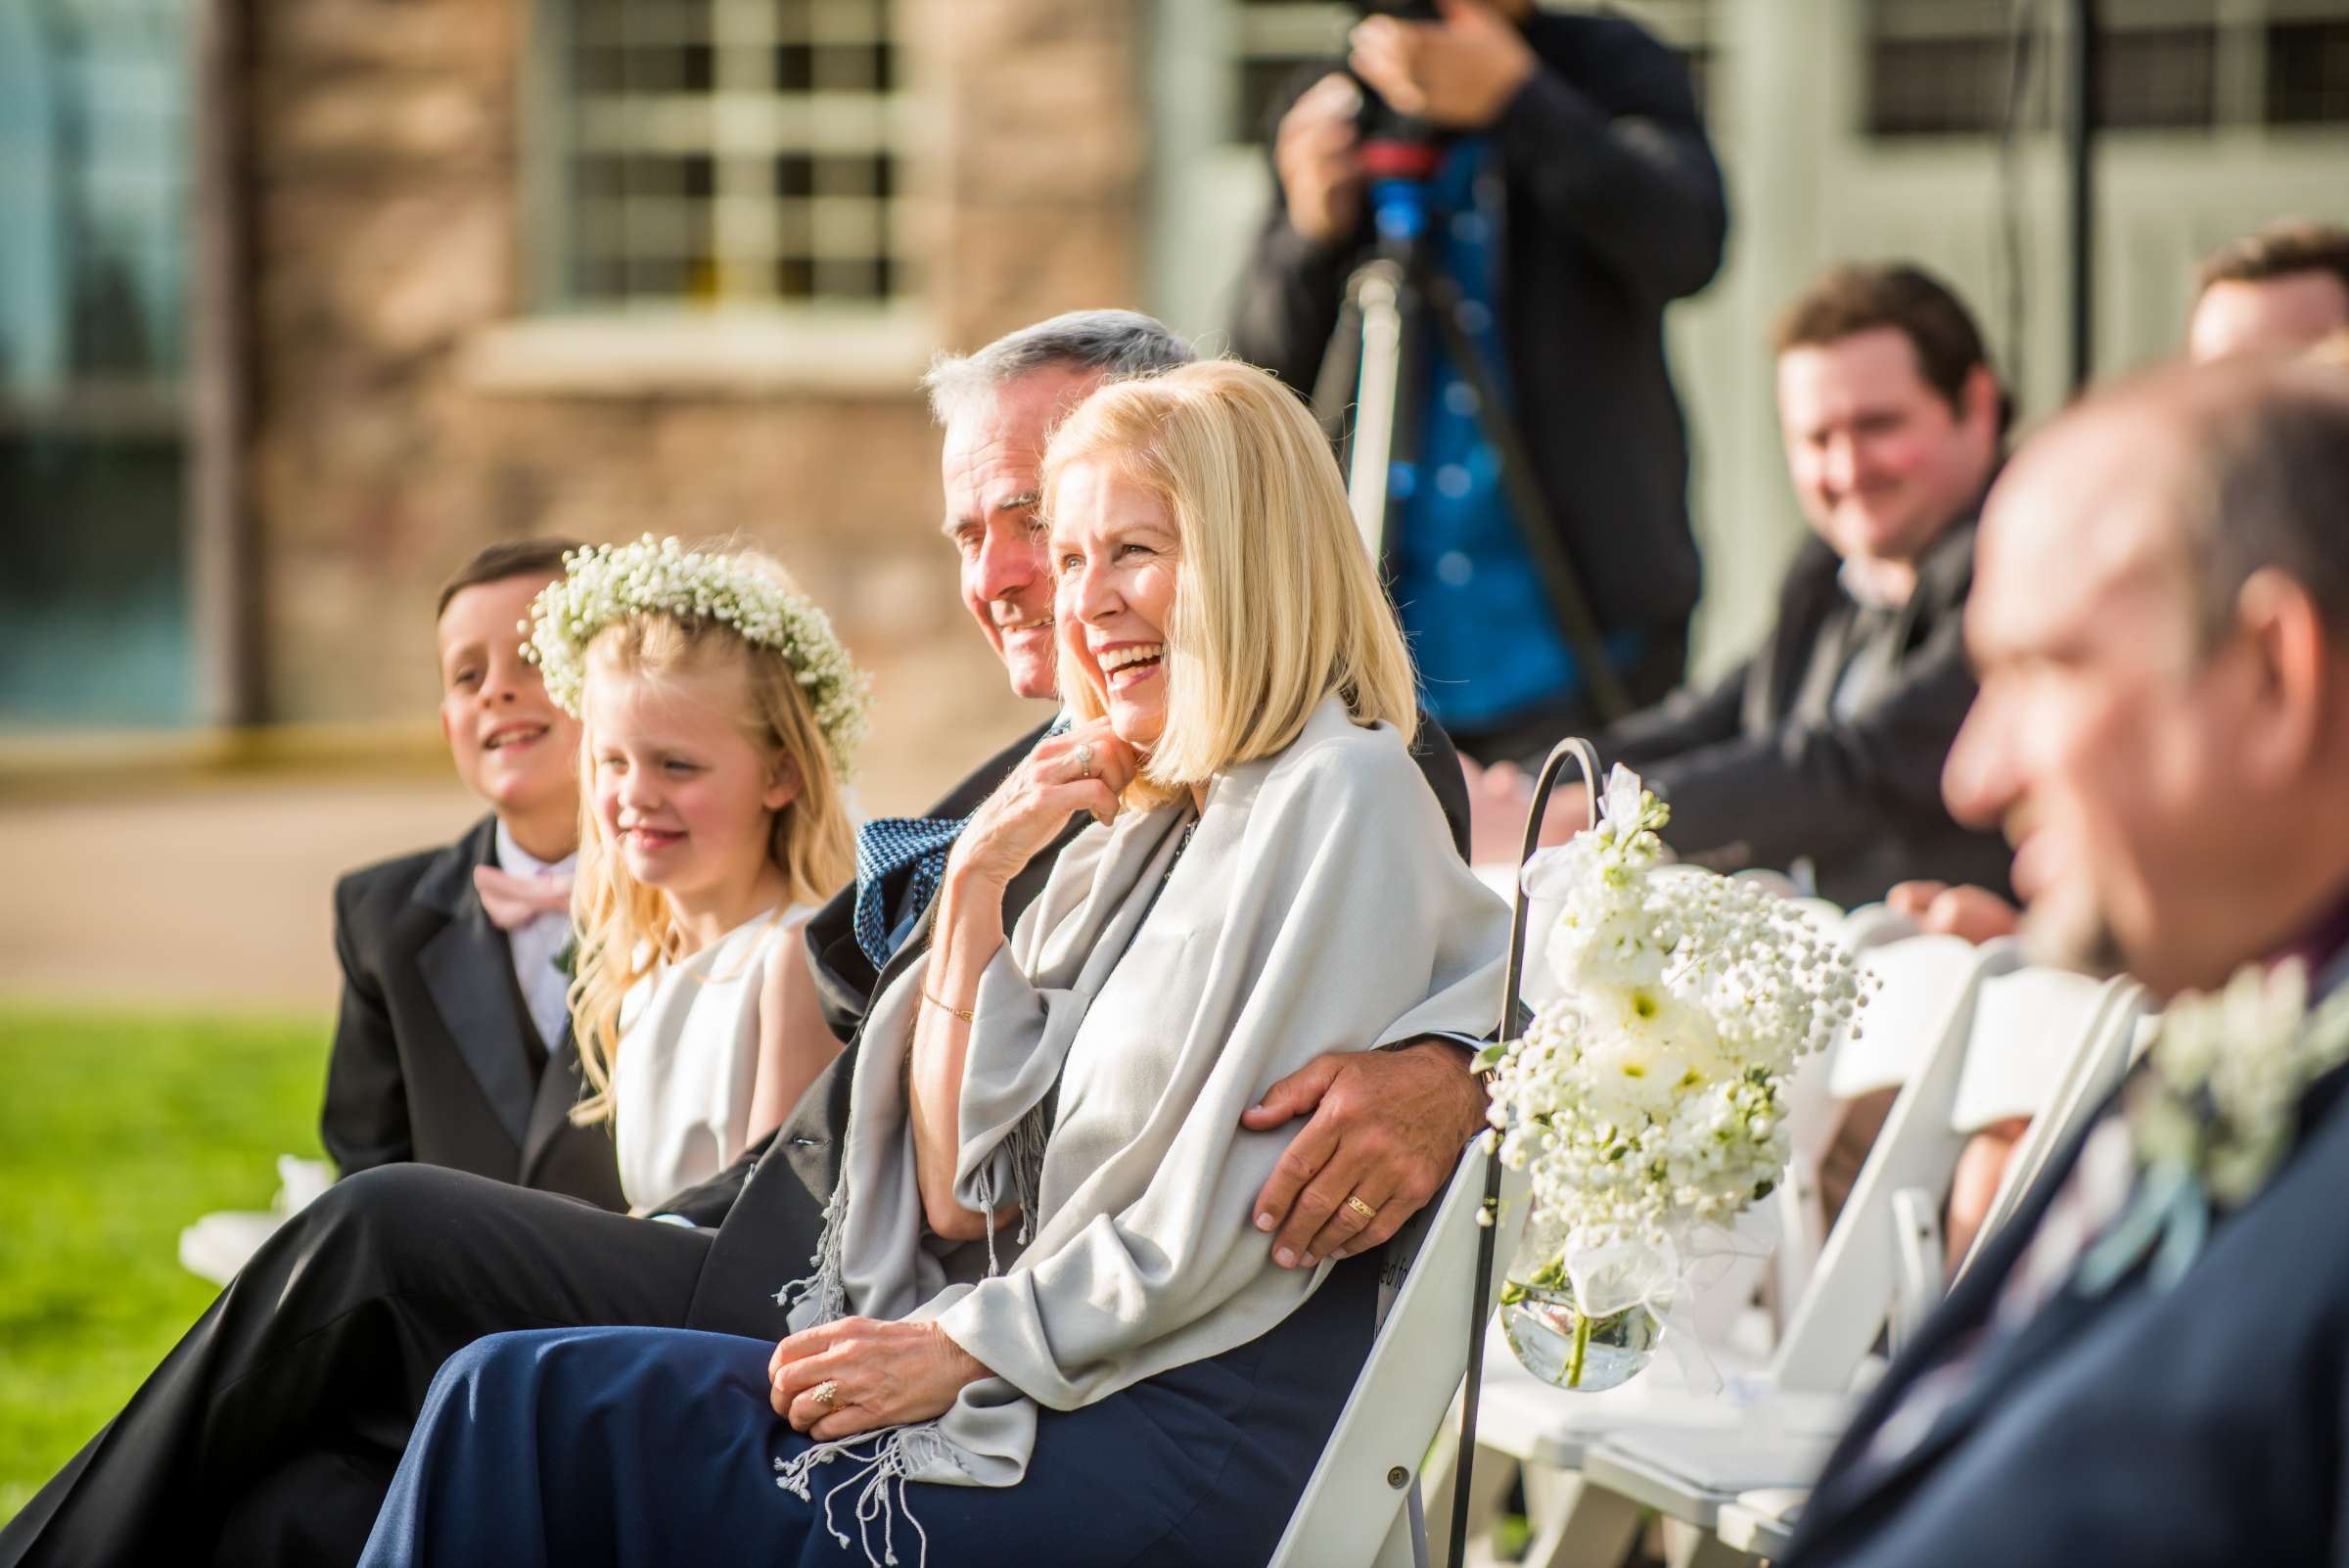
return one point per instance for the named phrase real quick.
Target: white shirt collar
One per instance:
(513, 858)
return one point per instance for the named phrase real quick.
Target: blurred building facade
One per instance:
(303, 300)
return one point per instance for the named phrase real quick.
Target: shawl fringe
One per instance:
(882, 1460)
(828, 1285)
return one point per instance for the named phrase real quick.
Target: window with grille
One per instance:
(1947, 68)
(2308, 71)
(727, 152)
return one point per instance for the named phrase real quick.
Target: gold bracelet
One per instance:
(969, 1015)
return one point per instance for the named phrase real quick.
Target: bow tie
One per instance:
(513, 902)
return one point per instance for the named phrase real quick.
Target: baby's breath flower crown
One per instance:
(606, 583)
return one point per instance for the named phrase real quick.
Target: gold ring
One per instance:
(1361, 1208)
(825, 1393)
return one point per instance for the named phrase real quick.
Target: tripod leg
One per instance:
(1341, 371)
(1378, 402)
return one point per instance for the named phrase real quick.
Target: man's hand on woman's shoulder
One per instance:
(1386, 1129)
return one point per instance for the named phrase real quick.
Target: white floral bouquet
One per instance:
(1647, 1100)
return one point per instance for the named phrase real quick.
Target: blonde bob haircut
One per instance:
(1276, 603)
(626, 929)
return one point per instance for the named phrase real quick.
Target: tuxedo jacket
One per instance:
(1755, 779)
(432, 1058)
(769, 1207)
(2203, 1426)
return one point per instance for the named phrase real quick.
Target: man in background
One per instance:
(1574, 197)
(2277, 292)
(2281, 290)
(1823, 754)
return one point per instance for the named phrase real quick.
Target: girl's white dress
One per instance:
(688, 1060)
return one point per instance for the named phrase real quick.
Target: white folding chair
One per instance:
(1361, 1502)
(2036, 1043)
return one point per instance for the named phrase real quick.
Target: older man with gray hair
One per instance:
(270, 1433)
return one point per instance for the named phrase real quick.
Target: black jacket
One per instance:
(430, 1060)
(1615, 210)
(769, 1203)
(1753, 783)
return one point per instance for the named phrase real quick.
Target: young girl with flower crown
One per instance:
(719, 711)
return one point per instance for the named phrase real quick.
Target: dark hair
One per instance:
(508, 558)
(1863, 297)
(2276, 251)
(2274, 464)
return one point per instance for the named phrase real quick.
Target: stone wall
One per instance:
(388, 238)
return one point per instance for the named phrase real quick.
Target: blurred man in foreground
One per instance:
(2149, 1364)
(1827, 747)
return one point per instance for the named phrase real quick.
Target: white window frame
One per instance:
(746, 336)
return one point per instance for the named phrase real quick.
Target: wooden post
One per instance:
(224, 555)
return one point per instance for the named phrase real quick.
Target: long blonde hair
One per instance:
(626, 929)
(1276, 603)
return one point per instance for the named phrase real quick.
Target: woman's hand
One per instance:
(1085, 769)
(882, 1374)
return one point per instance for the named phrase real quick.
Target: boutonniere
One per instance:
(567, 961)
(2213, 1113)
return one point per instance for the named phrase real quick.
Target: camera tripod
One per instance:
(1391, 298)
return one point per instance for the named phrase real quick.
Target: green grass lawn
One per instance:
(117, 1129)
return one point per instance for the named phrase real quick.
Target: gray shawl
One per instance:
(1318, 905)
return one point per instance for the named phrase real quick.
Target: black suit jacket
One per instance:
(1752, 782)
(2202, 1427)
(430, 1062)
(1614, 209)
(768, 1206)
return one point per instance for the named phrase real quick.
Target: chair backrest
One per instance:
(1923, 984)
(1913, 1032)
(2028, 1029)
(2092, 1074)
(1356, 1497)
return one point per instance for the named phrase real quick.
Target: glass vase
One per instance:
(1553, 1338)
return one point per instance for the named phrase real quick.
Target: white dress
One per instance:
(688, 1060)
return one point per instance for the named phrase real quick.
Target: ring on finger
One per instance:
(1084, 761)
(1354, 1201)
(825, 1393)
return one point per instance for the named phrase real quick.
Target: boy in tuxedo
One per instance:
(453, 1046)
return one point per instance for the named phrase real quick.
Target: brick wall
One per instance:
(390, 240)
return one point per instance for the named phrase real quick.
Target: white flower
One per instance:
(1625, 808)
(2227, 1073)
(1649, 1095)
(609, 582)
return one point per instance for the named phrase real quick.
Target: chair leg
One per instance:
(1685, 1546)
(1405, 1545)
(1577, 1525)
(1490, 1488)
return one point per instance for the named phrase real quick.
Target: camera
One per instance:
(1394, 143)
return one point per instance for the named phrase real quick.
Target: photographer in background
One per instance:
(1575, 197)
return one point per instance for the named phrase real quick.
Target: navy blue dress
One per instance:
(646, 1446)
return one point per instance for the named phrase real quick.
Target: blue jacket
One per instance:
(2203, 1425)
